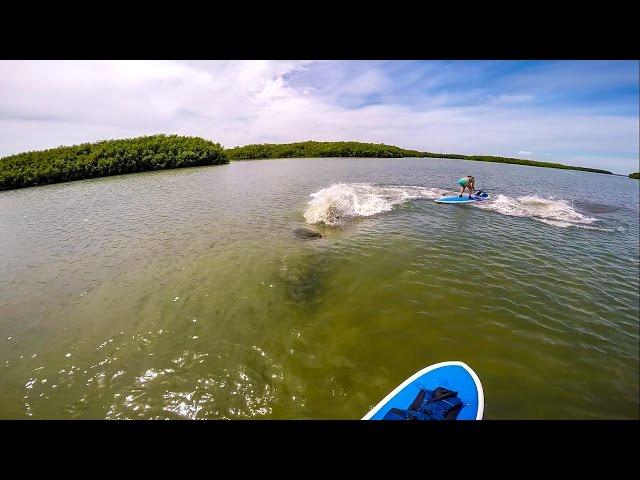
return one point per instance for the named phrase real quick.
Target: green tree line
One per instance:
(109, 157)
(634, 175)
(358, 149)
(319, 149)
(157, 152)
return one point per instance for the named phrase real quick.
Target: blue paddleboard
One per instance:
(416, 392)
(463, 199)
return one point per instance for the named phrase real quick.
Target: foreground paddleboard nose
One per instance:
(454, 375)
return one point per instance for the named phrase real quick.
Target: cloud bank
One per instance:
(581, 113)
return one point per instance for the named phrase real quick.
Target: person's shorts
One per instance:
(463, 183)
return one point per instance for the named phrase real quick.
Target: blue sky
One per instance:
(594, 87)
(575, 112)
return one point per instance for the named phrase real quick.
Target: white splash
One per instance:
(547, 210)
(341, 202)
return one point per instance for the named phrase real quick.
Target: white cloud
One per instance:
(371, 81)
(46, 103)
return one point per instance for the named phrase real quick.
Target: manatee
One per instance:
(306, 233)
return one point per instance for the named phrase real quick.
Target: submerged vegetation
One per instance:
(634, 175)
(358, 149)
(157, 152)
(109, 157)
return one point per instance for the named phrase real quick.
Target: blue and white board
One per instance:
(457, 376)
(463, 199)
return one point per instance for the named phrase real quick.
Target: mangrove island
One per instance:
(109, 157)
(158, 152)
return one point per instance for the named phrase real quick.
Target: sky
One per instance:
(582, 113)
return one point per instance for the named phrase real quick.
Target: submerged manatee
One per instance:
(306, 233)
(303, 276)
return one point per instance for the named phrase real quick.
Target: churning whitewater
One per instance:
(551, 211)
(341, 202)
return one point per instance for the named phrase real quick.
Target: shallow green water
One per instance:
(184, 293)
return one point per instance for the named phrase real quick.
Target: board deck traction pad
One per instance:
(408, 389)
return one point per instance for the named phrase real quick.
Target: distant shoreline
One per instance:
(312, 149)
(159, 152)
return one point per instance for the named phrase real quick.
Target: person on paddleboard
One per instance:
(467, 182)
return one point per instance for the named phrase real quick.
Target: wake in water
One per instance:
(550, 211)
(342, 202)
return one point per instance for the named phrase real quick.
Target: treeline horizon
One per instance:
(313, 149)
(158, 152)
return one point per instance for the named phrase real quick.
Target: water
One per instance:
(185, 294)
